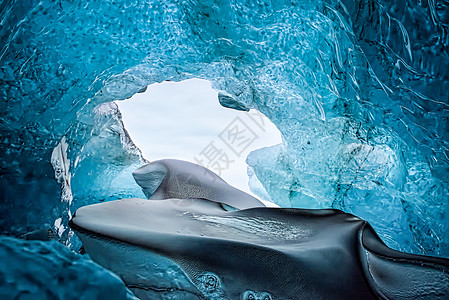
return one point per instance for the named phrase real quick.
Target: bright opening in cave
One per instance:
(184, 120)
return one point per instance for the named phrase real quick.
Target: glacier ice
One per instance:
(48, 270)
(357, 89)
(196, 249)
(173, 178)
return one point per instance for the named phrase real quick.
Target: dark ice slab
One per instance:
(198, 250)
(172, 178)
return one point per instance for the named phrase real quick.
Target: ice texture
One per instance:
(178, 179)
(48, 270)
(257, 253)
(358, 90)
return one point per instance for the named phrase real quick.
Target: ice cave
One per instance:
(359, 91)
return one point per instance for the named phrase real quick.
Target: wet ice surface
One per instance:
(267, 229)
(179, 248)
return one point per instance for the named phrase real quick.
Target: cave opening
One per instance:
(184, 120)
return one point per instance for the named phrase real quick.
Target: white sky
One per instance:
(184, 120)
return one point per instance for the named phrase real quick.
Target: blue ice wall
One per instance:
(357, 88)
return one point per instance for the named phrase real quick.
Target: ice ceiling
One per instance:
(358, 89)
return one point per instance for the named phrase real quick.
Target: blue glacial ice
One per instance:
(358, 90)
(48, 270)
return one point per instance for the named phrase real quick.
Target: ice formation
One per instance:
(172, 178)
(195, 249)
(48, 270)
(358, 90)
(196, 237)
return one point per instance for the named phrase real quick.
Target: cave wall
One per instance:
(357, 89)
